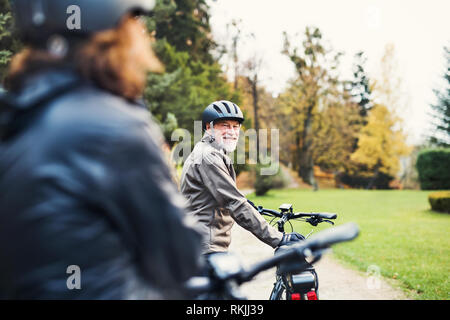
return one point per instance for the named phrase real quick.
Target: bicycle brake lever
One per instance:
(313, 221)
(330, 222)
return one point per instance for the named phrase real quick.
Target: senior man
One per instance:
(208, 182)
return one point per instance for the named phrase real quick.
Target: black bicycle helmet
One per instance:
(38, 20)
(224, 110)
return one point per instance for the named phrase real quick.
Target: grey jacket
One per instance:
(208, 182)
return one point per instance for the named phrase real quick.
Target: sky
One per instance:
(418, 29)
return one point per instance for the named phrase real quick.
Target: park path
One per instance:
(336, 282)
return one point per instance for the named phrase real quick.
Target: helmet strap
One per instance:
(211, 127)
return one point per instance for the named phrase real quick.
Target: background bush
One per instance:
(440, 201)
(263, 183)
(433, 168)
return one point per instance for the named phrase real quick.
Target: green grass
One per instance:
(399, 233)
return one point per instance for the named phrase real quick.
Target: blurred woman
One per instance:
(87, 206)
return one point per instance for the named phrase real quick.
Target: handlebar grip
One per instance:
(328, 237)
(197, 285)
(272, 212)
(326, 215)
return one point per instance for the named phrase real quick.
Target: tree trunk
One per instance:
(306, 171)
(254, 85)
(374, 178)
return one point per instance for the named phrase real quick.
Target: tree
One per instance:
(9, 42)
(360, 90)
(251, 69)
(380, 145)
(192, 77)
(246, 69)
(312, 86)
(289, 121)
(441, 110)
(335, 130)
(185, 25)
(388, 88)
(359, 87)
(234, 31)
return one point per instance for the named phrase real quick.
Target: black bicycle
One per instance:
(227, 273)
(298, 280)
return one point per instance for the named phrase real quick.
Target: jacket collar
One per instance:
(208, 139)
(38, 88)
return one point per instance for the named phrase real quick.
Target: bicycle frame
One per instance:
(305, 284)
(300, 286)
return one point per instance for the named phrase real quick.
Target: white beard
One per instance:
(228, 144)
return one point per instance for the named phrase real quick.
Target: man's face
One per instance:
(226, 133)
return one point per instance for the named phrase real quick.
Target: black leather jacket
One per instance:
(83, 183)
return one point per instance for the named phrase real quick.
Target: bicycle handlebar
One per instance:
(311, 246)
(321, 240)
(289, 216)
(270, 212)
(321, 215)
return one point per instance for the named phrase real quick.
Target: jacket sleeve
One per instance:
(166, 242)
(218, 181)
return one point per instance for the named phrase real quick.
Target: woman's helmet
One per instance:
(221, 110)
(38, 20)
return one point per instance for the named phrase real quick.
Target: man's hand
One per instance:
(290, 238)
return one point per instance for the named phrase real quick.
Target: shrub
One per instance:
(433, 168)
(381, 181)
(263, 183)
(440, 201)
